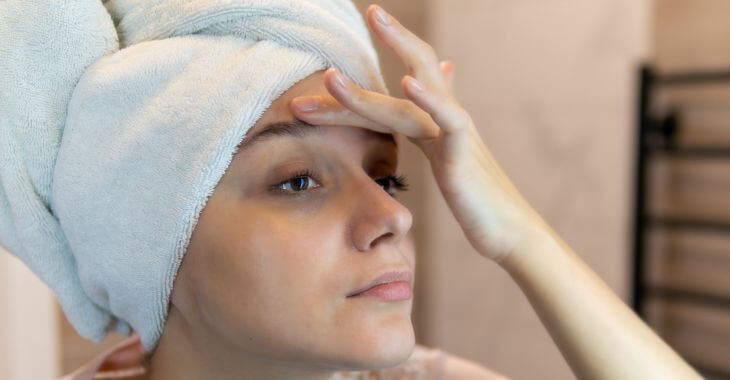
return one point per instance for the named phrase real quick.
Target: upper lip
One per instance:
(389, 276)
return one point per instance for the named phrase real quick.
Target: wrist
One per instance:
(533, 244)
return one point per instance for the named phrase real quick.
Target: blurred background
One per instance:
(564, 93)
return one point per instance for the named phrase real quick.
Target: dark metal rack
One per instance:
(656, 138)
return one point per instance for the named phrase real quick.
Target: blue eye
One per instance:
(298, 183)
(303, 181)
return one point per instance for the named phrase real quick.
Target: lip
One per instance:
(385, 278)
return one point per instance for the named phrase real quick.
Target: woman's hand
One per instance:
(492, 213)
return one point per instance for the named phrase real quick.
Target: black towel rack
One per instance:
(656, 138)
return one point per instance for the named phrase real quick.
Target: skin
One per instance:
(232, 315)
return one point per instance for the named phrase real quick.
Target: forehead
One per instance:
(278, 119)
(279, 110)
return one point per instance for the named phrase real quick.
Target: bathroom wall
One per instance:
(691, 34)
(29, 344)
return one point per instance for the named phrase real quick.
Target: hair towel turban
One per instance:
(118, 119)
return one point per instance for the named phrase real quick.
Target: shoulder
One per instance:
(427, 363)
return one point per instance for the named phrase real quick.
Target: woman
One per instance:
(288, 292)
(316, 212)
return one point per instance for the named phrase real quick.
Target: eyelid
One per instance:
(301, 173)
(398, 182)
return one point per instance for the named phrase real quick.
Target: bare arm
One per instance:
(597, 333)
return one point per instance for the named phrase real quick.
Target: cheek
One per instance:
(273, 281)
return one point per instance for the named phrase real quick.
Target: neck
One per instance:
(182, 354)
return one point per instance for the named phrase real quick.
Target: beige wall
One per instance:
(692, 34)
(28, 324)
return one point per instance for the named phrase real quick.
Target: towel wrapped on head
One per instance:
(118, 119)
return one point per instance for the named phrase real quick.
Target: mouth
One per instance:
(393, 285)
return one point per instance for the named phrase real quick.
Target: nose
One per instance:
(379, 218)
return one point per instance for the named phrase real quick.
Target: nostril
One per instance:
(381, 237)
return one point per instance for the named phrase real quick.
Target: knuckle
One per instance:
(404, 111)
(360, 97)
(427, 53)
(457, 118)
(461, 117)
(429, 50)
(410, 114)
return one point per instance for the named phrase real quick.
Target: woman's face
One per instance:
(272, 259)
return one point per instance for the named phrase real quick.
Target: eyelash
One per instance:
(398, 182)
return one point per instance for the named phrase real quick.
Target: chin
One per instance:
(395, 354)
(384, 348)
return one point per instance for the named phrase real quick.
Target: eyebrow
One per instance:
(297, 129)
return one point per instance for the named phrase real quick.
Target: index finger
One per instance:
(330, 112)
(416, 54)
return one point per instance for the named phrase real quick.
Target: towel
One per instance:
(118, 119)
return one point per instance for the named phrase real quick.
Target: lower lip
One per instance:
(392, 291)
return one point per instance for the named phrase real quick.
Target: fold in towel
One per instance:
(104, 165)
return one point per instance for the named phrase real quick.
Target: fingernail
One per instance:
(416, 85)
(306, 105)
(340, 78)
(382, 16)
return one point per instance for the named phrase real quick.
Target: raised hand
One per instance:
(492, 213)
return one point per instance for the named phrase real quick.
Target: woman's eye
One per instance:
(398, 182)
(298, 183)
(306, 181)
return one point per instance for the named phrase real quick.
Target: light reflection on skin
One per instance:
(262, 288)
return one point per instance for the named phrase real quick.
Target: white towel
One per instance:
(118, 119)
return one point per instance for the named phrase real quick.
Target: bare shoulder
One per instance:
(455, 367)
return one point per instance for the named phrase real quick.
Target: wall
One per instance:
(691, 34)
(28, 324)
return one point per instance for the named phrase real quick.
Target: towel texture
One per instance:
(118, 119)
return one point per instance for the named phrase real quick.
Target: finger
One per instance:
(326, 110)
(401, 115)
(416, 54)
(448, 115)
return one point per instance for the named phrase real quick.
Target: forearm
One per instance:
(597, 333)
